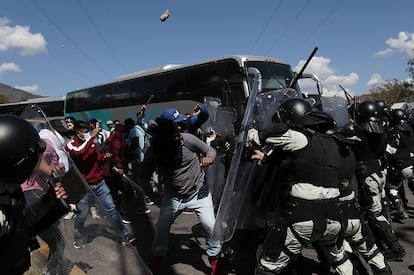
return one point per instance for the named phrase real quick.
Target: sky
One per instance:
(51, 47)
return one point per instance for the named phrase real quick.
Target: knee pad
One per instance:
(345, 266)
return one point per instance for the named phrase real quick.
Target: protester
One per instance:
(110, 125)
(89, 160)
(34, 189)
(136, 142)
(117, 148)
(176, 156)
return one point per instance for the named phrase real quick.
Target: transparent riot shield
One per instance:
(235, 188)
(237, 209)
(222, 139)
(336, 106)
(97, 245)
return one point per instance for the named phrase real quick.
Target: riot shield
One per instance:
(93, 247)
(237, 209)
(223, 142)
(336, 106)
(235, 189)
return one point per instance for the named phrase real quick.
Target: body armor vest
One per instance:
(317, 163)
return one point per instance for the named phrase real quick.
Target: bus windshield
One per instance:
(275, 76)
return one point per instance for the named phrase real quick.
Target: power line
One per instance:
(67, 36)
(101, 36)
(279, 38)
(265, 26)
(317, 27)
(74, 69)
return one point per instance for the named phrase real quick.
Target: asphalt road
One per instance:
(105, 255)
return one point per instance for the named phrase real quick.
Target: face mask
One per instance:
(85, 136)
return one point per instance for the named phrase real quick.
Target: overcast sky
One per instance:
(50, 47)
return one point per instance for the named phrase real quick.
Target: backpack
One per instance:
(147, 143)
(147, 138)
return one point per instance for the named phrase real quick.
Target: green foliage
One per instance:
(410, 69)
(392, 91)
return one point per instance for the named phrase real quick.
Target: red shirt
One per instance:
(118, 148)
(87, 158)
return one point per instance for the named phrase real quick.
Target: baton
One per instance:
(128, 180)
(52, 182)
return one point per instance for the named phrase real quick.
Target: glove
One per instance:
(253, 140)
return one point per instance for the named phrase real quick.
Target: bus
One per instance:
(224, 81)
(53, 107)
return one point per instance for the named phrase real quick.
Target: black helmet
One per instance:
(291, 110)
(318, 121)
(368, 117)
(383, 107)
(20, 149)
(399, 119)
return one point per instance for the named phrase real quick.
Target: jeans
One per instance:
(172, 205)
(103, 194)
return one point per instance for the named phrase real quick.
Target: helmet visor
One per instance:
(374, 127)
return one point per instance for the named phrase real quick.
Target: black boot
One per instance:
(384, 271)
(400, 213)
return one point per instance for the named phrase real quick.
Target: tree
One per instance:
(391, 91)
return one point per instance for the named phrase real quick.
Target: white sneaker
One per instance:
(94, 213)
(69, 216)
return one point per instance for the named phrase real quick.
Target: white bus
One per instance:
(53, 107)
(224, 79)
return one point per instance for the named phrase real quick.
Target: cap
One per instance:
(109, 122)
(151, 123)
(60, 125)
(81, 125)
(173, 115)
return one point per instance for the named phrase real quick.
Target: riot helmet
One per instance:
(291, 110)
(399, 120)
(318, 121)
(383, 108)
(20, 149)
(368, 117)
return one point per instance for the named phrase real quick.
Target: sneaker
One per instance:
(188, 211)
(128, 239)
(156, 263)
(94, 213)
(215, 266)
(78, 244)
(143, 211)
(400, 216)
(396, 254)
(69, 216)
(126, 220)
(148, 201)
